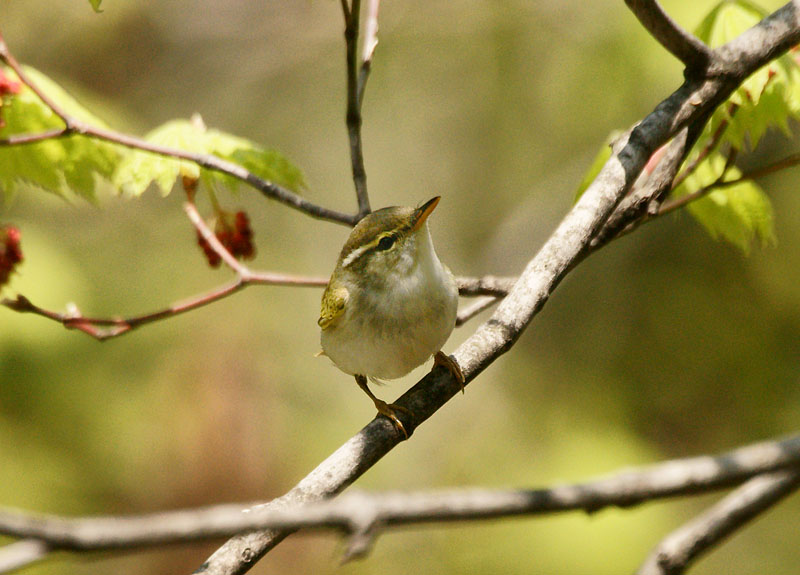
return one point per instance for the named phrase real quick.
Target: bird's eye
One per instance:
(386, 242)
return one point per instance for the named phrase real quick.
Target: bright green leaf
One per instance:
(140, 169)
(739, 214)
(768, 98)
(71, 164)
(597, 164)
(727, 21)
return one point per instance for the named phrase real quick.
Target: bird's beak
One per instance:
(421, 213)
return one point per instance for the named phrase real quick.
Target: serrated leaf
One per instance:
(70, 164)
(597, 164)
(140, 169)
(768, 97)
(269, 165)
(727, 20)
(739, 214)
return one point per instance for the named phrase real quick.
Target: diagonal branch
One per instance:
(683, 546)
(694, 100)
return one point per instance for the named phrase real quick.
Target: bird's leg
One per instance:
(451, 365)
(384, 408)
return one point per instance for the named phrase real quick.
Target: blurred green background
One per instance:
(664, 344)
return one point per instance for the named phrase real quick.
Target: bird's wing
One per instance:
(333, 302)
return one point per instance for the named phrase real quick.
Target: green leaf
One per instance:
(727, 20)
(739, 213)
(96, 5)
(765, 100)
(61, 166)
(141, 169)
(597, 164)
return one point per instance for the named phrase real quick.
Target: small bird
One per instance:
(390, 303)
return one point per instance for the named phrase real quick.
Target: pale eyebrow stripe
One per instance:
(354, 255)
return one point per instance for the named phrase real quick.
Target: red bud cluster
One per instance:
(7, 87)
(234, 233)
(10, 252)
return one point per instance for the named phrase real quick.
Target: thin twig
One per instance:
(482, 304)
(711, 145)
(370, 42)
(103, 328)
(485, 285)
(212, 240)
(687, 48)
(682, 547)
(667, 207)
(8, 58)
(107, 328)
(76, 127)
(754, 174)
(26, 139)
(353, 115)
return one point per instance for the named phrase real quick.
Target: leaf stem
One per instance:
(73, 126)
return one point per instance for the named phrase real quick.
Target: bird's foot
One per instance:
(451, 365)
(389, 410)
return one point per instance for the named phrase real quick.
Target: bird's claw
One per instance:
(451, 365)
(388, 410)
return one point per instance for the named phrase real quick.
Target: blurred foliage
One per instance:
(664, 344)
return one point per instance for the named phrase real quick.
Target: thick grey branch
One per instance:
(694, 100)
(360, 512)
(677, 551)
